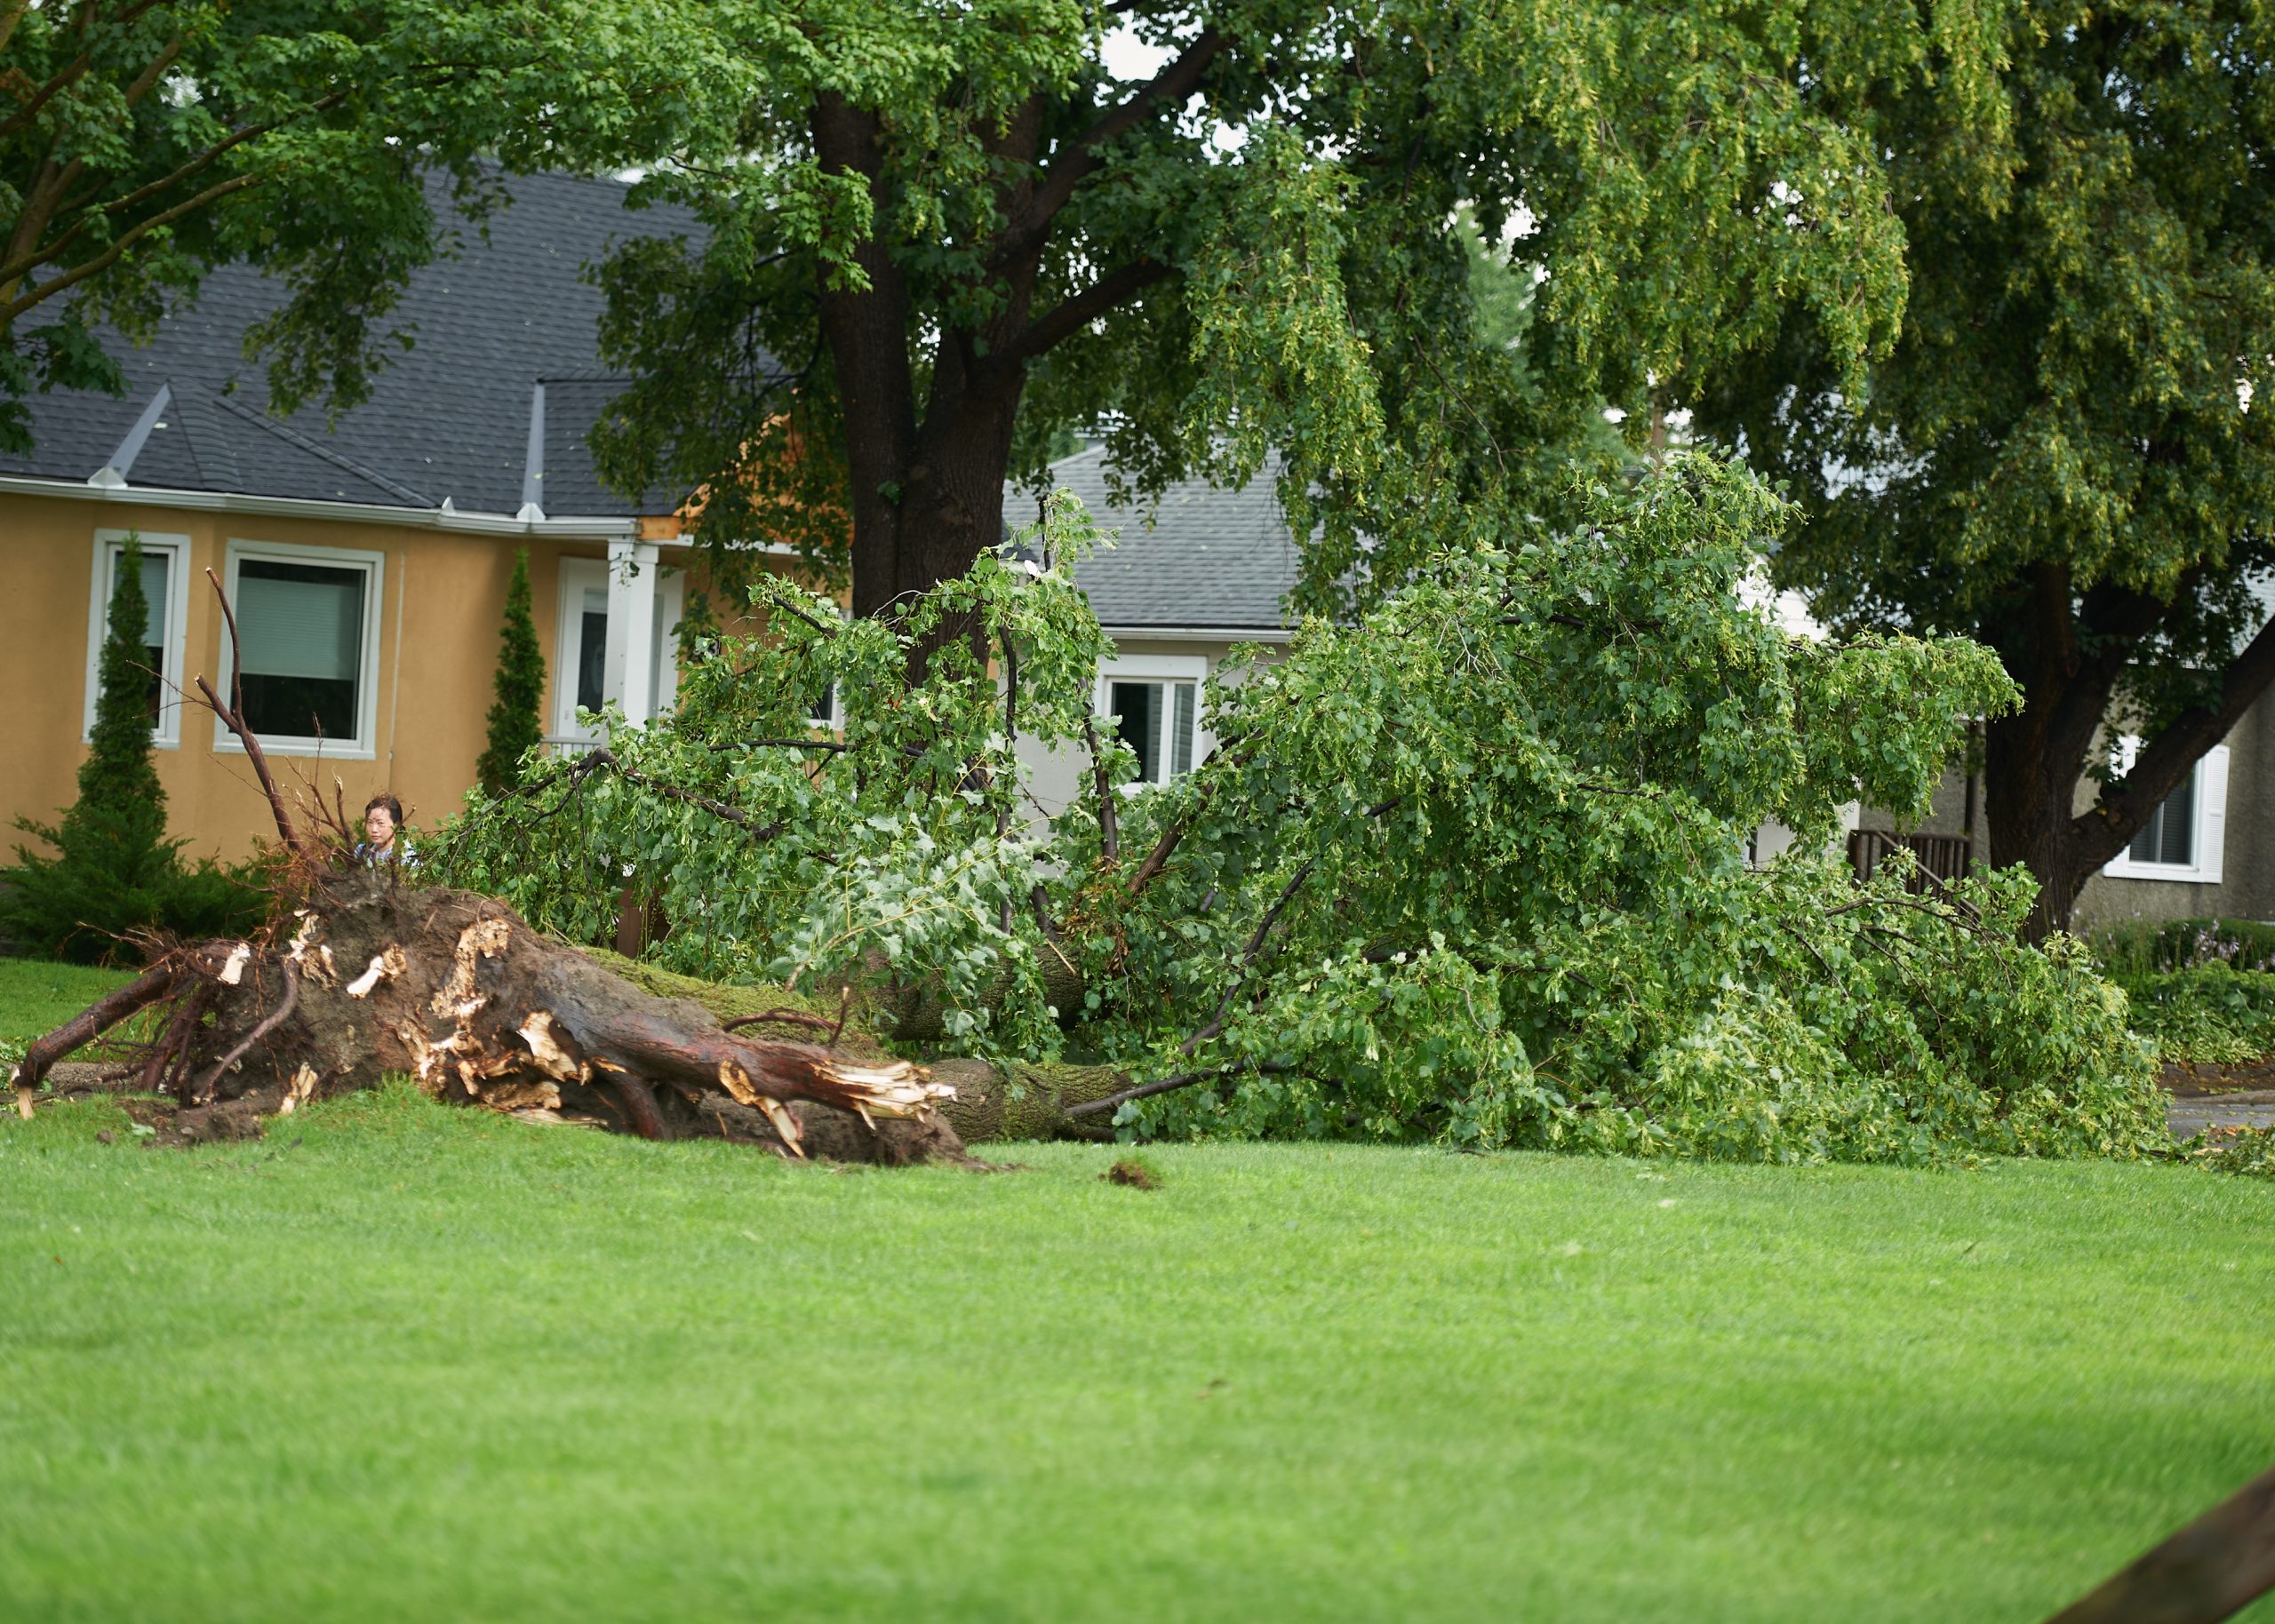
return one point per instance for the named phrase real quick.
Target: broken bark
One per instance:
(1027, 1101)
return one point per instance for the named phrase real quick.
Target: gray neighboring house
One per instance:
(2201, 856)
(1208, 569)
(1203, 571)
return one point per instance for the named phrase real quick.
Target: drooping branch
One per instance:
(152, 986)
(1249, 954)
(595, 760)
(1169, 1084)
(29, 257)
(102, 262)
(233, 718)
(1109, 821)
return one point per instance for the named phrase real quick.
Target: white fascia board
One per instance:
(302, 507)
(1201, 634)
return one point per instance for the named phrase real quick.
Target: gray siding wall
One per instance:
(2246, 886)
(1062, 777)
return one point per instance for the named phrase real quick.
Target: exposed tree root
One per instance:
(453, 990)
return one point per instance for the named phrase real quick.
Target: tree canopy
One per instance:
(2067, 452)
(940, 236)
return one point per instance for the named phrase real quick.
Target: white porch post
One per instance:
(632, 572)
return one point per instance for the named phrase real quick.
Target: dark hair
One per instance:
(383, 798)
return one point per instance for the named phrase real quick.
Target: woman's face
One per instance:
(378, 826)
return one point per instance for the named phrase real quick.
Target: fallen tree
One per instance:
(453, 990)
(1470, 870)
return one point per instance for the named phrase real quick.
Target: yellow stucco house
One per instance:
(368, 560)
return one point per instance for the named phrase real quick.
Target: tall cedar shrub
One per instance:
(514, 728)
(114, 871)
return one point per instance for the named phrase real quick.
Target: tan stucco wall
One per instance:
(443, 594)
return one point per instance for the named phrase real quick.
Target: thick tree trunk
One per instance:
(2069, 652)
(2033, 759)
(927, 490)
(2027, 796)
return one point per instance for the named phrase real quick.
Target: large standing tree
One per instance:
(2069, 453)
(940, 236)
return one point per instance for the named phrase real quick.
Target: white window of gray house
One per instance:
(166, 596)
(310, 665)
(2182, 839)
(1155, 703)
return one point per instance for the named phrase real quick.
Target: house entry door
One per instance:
(580, 679)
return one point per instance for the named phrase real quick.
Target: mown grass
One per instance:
(398, 1361)
(37, 996)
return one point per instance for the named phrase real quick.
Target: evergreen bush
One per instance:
(515, 726)
(114, 871)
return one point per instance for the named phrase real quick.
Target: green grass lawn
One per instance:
(36, 997)
(402, 1362)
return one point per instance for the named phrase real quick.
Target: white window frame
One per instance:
(671, 608)
(175, 620)
(1191, 668)
(578, 576)
(364, 745)
(2205, 840)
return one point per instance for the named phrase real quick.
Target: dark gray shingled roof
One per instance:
(1212, 559)
(449, 418)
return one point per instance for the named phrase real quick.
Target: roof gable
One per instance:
(449, 417)
(1205, 558)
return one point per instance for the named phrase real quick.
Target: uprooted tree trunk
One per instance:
(454, 991)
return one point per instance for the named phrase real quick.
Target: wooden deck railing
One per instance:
(1945, 856)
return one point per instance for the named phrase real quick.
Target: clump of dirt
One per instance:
(1136, 1175)
(230, 1120)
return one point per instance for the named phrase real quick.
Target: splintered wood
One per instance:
(368, 977)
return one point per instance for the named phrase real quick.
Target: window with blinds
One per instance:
(2169, 836)
(303, 657)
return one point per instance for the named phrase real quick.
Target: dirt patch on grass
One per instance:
(1136, 1175)
(230, 1120)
